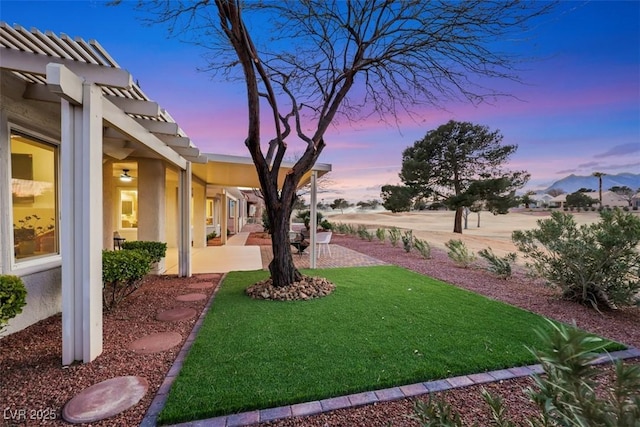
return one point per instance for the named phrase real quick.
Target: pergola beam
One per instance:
(37, 64)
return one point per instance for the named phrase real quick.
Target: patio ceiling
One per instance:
(238, 171)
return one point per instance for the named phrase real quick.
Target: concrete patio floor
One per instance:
(233, 256)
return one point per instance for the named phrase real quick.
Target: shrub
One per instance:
(423, 247)
(381, 234)
(212, 235)
(497, 265)
(394, 236)
(597, 263)
(326, 225)
(13, 296)
(266, 225)
(459, 253)
(122, 273)
(565, 395)
(407, 240)
(156, 250)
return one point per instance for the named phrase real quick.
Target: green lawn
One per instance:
(383, 326)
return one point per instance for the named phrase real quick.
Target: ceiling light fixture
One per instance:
(125, 177)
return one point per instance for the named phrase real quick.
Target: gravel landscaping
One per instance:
(33, 381)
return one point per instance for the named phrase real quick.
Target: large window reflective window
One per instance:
(34, 197)
(128, 209)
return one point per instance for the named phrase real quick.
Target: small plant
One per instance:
(156, 250)
(122, 273)
(13, 296)
(394, 236)
(266, 225)
(459, 253)
(381, 234)
(361, 231)
(212, 235)
(497, 265)
(423, 247)
(326, 225)
(407, 240)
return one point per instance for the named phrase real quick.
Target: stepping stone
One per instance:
(155, 343)
(191, 297)
(105, 399)
(200, 285)
(176, 314)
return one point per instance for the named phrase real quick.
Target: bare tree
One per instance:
(314, 61)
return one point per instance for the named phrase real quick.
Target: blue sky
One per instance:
(578, 111)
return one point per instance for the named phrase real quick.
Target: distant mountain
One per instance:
(573, 183)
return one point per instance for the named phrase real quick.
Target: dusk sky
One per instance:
(578, 112)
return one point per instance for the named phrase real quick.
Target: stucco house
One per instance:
(85, 154)
(609, 199)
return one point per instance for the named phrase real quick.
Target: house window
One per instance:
(209, 218)
(34, 197)
(128, 209)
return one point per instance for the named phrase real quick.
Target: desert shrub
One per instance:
(122, 273)
(325, 224)
(266, 225)
(381, 234)
(598, 264)
(497, 265)
(565, 394)
(459, 253)
(423, 247)
(394, 236)
(156, 250)
(361, 231)
(13, 296)
(407, 240)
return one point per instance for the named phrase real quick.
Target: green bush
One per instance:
(381, 234)
(13, 296)
(212, 235)
(459, 253)
(423, 247)
(497, 265)
(326, 225)
(407, 240)
(394, 236)
(156, 250)
(122, 274)
(598, 264)
(266, 225)
(566, 394)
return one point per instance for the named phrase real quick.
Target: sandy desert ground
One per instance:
(436, 226)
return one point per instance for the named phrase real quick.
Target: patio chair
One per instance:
(322, 240)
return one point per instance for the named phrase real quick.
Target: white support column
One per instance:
(314, 219)
(108, 204)
(224, 216)
(151, 204)
(81, 220)
(199, 215)
(184, 222)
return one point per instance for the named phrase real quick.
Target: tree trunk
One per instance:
(457, 223)
(283, 270)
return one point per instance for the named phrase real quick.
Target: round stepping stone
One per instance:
(105, 399)
(191, 297)
(176, 314)
(155, 343)
(200, 285)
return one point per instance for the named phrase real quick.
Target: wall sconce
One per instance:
(125, 177)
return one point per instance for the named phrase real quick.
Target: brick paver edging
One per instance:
(151, 417)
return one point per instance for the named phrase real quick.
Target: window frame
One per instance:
(11, 264)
